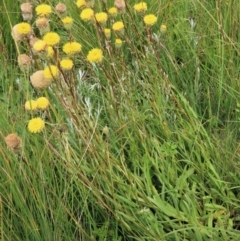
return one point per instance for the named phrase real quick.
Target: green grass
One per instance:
(168, 169)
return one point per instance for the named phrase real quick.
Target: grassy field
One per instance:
(140, 141)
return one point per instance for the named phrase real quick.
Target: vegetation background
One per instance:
(168, 166)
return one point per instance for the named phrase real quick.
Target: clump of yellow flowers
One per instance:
(52, 55)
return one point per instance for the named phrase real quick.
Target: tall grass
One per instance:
(144, 146)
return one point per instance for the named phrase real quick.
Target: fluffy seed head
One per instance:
(24, 61)
(13, 141)
(38, 80)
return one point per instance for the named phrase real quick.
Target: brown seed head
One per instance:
(42, 22)
(24, 60)
(13, 141)
(120, 4)
(26, 8)
(38, 80)
(61, 8)
(33, 40)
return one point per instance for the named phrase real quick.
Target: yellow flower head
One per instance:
(81, 3)
(31, 105)
(118, 43)
(105, 130)
(67, 22)
(43, 10)
(107, 32)
(95, 56)
(50, 72)
(66, 64)
(87, 14)
(101, 17)
(23, 28)
(118, 26)
(140, 7)
(42, 103)
(36, 125)
(113, 11)
(39, 46)
(72, 48)
(163, 28)
(51, 38)
(50, 52)
(150, 19)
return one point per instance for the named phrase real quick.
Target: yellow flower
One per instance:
(43, 10)
(39, 46)
(42, 103)
(50, 52)
(36, 125)
(163, 28)
(118, 43)
(67, 22)
(107, 32)
(87, 14)
(113, 11)
(81, 3)
(31, 105)
(95, 56)
(140, 7)
(51, 38)
(66, 64)
(101, 17)
(150, 19)
(50, 72)
(72, 48)
(105, 130)
(16, 36)
(24, 28)
(118, 26)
